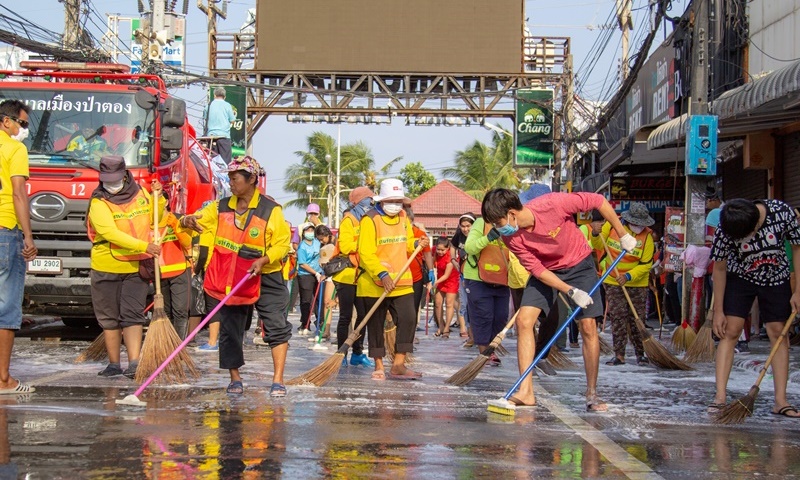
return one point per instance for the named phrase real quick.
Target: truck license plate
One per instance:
(45, 265)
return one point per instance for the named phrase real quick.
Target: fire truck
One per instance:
(78, 113)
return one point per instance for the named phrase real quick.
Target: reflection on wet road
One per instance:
(355, 427)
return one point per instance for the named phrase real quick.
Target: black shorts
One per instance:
(773, 302)
(582, 276)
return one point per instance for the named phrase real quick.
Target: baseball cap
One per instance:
(312, 208)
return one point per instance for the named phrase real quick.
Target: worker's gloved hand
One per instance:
(431, 276)
(493, 234)
(627, 242)
(581, 298)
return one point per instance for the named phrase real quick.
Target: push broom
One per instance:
(133, 399)
(471, 370)
(162, 339)
(324, 372)
(656, 352)
(502, 405)
(742, 408)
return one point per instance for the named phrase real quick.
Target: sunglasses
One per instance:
(21, 123)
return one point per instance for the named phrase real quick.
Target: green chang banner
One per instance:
(237, 97)
(534, 128)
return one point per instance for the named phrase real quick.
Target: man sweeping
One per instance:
(548, 243)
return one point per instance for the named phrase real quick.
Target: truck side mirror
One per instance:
(171, 138)
(174, 113)
(145, 100)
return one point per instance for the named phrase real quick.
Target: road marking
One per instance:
(629, 465)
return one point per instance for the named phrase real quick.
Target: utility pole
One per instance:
(625, 22)
(694, 206)
(72, 23)
(212, 11)
(569, 119)
(338, 176)
(330, 188)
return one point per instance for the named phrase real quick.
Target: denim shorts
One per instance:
(12, 278)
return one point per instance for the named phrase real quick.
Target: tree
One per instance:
(416, 179)
(481, 167)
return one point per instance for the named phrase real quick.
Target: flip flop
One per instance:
(785, 410)
(714, 408)
(409, 375)
(378, 375)
(277, 390)
(519, 403)
(21, 388)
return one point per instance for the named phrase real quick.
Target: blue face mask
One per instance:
(507, 230)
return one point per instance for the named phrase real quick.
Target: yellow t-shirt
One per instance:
(103, 222)
(13, 163)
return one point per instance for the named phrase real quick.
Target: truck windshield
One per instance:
(76, 127)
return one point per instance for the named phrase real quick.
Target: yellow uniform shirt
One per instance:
(13, 163)
(102, 220)
(371, 264)
(348, 243)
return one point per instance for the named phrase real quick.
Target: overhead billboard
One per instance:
(388, 36)
(237, 97)
(534, 128)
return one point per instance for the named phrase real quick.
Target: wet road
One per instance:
(355, 427)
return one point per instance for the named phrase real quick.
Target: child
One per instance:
(446, 286)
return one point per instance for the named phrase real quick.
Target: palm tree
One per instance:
(481, 167)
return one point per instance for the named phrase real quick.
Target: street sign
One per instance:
(171, 54)
(534, 128)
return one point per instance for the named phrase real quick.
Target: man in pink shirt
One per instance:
(544, 236)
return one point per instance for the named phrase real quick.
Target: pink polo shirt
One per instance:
(555, 242)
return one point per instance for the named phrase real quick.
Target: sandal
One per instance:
(20, 389)
(594, 404)
(714, 408)
(379, 375)
(464, 334)
(235, 388)
(786, 410)
(616, 361)
(446, 335)
(277, 390)
(437, 334)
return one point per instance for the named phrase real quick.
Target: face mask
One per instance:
(637, 229)
(392, 209)
(507, 230)
(308, 235)
(22, 135)
(114, 187)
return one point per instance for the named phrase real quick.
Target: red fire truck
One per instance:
(80, 112)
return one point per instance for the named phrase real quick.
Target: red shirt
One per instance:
(554, 242)
(451, 284)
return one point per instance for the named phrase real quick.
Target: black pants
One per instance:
(176, 301)
(672, 306)
(232, 321)
(348, 300)
(223, 147)
(402, 310)
(271, 308)
(419, 290)
(308, 287)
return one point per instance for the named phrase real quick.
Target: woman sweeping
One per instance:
(250, 237)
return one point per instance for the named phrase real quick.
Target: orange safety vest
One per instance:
(392, 247)
(632, 258)
(235, 250)
(135, 219)
(172, 261)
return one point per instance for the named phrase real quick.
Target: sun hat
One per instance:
(360, 193)
(637, 214)
(247, 164)
(112, 168)
(391, 189)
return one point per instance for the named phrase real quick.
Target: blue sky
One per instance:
(277, 140)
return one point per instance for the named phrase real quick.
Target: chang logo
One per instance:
(535, 121)
(253, 232)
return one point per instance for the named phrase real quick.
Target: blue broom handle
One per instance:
(561, 329)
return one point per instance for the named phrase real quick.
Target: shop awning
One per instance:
(669, 133)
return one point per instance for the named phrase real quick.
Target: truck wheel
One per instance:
(79, 322)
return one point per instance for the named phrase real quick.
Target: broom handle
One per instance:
(558, 333)
(411, 258)
(192, 335)
(639, 323)
(156, 239)
(327, 317)
(774, 349)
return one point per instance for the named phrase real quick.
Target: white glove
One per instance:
(318, 276)
(627, 242)
(581, 298)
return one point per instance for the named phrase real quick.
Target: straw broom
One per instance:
(742, 408)
(656, 352)
(162, 339)
(560, 361)
(471, 370)
(324, 372)
(703, 350)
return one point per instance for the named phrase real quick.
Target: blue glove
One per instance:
(431, 276)
(493, 234)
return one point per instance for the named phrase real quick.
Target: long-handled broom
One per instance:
(324, 372)
(133, 399)
(471, 370)
(162, 339)
(742, 408)
(656, 352)
(703, 350)
(503, 406)
(96, 351)
(318, 341)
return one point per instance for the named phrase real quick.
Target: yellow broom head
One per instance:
(559, 360)
(682, 337)
(737, 411)
(94, 352)
(159, 343)
(702, 350)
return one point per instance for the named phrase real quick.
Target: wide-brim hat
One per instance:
(112, 168)
(637, 214)
(360, 193)
(391, 189)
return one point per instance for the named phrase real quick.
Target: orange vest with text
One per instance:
(172, 261)
(135, 219)
(632, 258)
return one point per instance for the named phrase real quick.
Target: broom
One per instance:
(326, 321)
(162, 339)
(656, 352)
(324, 372)
(742, 408)
(471, 370)
(503, 406)
(560, 361)
(389, 335)
(684, 335)
(605, 348)
(703, 350)
(96, 351)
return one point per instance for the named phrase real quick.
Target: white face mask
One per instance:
(114, 187)
(392, 209)
(22, 135)
(637, 229)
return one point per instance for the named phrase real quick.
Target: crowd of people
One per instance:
(524, 255)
